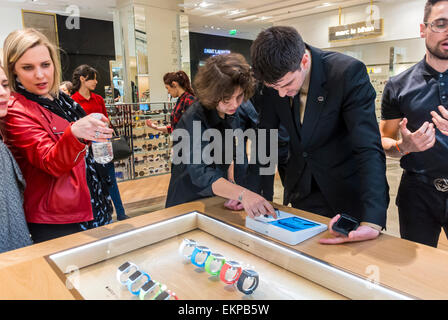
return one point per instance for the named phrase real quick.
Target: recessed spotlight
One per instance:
(204, 4)
(246, 18)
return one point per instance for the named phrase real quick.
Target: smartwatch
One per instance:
(186, 248)
(251, 278)
(151, 290)
(125, 270)
(214, 263)
(173, 295)
(200, 250)
(166, 295)
(345, 224)
(232, 268)
(134, 281)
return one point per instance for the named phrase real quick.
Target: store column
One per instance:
(148, 45)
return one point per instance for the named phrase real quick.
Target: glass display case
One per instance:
(151, 149)
(283, 272)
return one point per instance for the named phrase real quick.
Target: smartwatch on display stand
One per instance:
(173, 295)
(124, 271)
(151, 290)
(186, 248)
(230, 267)
(135, 279)
(200, 250)
(251, 277)
(166, 295)
(214, 263)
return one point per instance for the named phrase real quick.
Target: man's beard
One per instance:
(436, 52)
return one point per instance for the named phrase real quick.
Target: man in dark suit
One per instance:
(327, 104)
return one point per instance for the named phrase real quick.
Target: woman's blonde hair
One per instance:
(15, 46)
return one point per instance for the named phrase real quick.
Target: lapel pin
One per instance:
(320, 99)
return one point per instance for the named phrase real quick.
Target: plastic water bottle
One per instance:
(102, 151)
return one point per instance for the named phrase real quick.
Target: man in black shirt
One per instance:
(410, 102)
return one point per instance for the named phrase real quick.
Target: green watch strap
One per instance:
(209, 261)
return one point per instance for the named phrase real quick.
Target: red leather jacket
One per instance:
(52, 161)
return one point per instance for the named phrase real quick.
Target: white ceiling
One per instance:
(217, 17)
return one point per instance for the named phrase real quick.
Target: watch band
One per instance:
(186, 248)
(172, 295)
(125, 269)
(251, 275)
(230, 266)
(134, 278)
(200, 250)
(214, 263)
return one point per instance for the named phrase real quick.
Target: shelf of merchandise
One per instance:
(130, 120)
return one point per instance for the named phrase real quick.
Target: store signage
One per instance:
(359, 30)
(215, 51)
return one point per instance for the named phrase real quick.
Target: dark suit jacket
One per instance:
(339, 143)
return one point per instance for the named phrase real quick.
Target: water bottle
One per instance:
(102, 151)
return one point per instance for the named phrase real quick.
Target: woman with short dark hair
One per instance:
(221, 86)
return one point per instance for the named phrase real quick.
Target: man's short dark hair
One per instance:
(276, 51)
(428, 8)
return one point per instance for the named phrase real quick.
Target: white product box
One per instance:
(287, 228)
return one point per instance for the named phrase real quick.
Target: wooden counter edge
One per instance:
(214, 208)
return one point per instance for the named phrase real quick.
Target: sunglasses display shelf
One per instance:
(151, 149)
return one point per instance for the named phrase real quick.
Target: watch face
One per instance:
(124, 266)
(190, 242)
(218, 256)
(163, 296)
(135, 275)
(250, 273)
(203, 248)
(148, 285)
(233, 264)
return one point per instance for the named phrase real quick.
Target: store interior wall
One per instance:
(11, 19)
(92, 44)
(162, 26)
(200, 41)
(401, 21)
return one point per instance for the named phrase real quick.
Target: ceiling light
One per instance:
(235, 12)
(263, 18)
(246, 18)
(205, 4)
(325, 4)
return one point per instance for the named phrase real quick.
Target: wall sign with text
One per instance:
(354, 31)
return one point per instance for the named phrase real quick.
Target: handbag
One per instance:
(120, 146)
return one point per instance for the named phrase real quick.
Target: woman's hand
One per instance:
(92, 129)
(255, 205)
(234, 205)
(150, 124)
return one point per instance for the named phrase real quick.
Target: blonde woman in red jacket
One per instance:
(49, 135)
